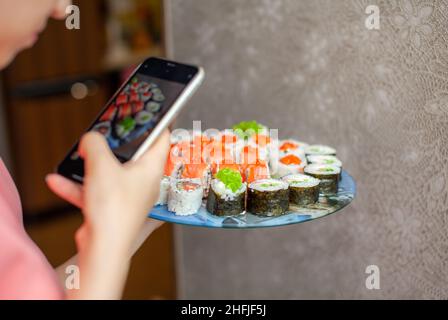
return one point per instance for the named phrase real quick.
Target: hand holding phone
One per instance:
(139, 111)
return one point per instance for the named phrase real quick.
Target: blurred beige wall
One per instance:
(313, 70)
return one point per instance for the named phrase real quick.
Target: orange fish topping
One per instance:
(291, 160)
(288, 146)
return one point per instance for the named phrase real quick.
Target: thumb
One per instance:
(95, 151)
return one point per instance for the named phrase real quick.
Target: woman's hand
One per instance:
(115, 200)
(115, 197)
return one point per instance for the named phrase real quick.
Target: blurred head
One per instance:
(21, 21)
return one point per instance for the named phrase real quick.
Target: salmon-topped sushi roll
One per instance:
(122, 99)
(137, 107)
(199, 171)
(258, 171)
(110, 113)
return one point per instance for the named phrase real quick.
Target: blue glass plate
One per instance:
(326, 206)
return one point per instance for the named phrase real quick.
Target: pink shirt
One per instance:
(25, 273)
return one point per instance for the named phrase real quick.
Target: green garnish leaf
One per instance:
(245, 129)
(128, 123)
(231, 178)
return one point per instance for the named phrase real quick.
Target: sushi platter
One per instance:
(131, 113)
(248, 178)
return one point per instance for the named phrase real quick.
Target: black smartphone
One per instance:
(139, 111)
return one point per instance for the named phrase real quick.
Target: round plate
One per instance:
(326, 206)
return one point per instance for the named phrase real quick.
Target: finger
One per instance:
(95, 151)
(65, 188)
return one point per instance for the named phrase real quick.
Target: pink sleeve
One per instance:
(24, 271)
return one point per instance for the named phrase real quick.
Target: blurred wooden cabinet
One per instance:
(42, 131)
(44, 119)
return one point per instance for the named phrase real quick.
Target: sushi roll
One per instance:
(292, 146)
(137, 107)
(125, 127)
(327, 174)
(260, 140)
(321, 159)
(104, 128)
(218, 153)
(227, 194)
(135, 84)
(109, 114)
(268, 197)
(290, 164)
(303, 189)
(198, 171)
(164, 189)
(146, 96)
(246, 129)
(143, 117)
(124, 111)
(159, 97)
(144, 87)
(318, 149)
(122, 98)
(184, 196)
(153, 106)
(156, 90)
(257, 171)
(248, 154)
(134, 97)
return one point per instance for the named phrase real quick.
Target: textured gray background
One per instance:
(312, 69)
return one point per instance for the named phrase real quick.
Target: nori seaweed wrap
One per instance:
(268, 197)
(222, 201)
(227, 194)
(303, 189)
(328, 175)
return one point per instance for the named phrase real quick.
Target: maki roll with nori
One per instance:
(322, 159)
(318, 149)
(328, 176)
(303, 189)
(227, 193)
(268, 197)
(185, 196)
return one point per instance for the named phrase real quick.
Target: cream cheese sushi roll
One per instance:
(319, 149)
(303, 189)
(292, 146)
(268, 197)
(290, 164)
(185, 197)
(227, 194)
(164, 189)
(328, 176)
(322, 159)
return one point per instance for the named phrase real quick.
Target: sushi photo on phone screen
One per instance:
(134, 112)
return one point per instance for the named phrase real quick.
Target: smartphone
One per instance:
(139, 111)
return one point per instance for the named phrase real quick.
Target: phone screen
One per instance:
(135, 110)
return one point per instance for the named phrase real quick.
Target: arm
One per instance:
(115, 200)
(149, 227)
